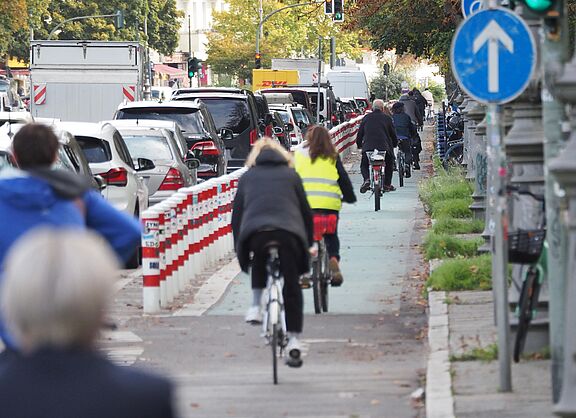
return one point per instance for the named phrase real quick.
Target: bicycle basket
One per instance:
(324, 224)
(525, 246)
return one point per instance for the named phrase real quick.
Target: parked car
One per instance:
(109, 157)
(328, 116)
(350, 109)
(197, 126)
(295, 121)
(299, 95)
(15, 117)
(70, 156)
(236, 119)
(280, 130)
(363, 103)
(171, 171)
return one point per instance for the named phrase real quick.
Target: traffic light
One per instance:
(193, 64)
(258, 60)
(119, 19)
(540, 6)
(328, 7)
(338, 10)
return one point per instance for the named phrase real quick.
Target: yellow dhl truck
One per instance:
(265, 79)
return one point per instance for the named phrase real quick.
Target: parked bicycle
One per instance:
(376, 160)
(274, 319)
(528, 247)
(321, 274)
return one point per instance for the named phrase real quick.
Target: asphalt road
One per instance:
(363, 359)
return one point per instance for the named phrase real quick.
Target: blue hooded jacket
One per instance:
(28, 202)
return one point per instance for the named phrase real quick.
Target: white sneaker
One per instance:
(294, 353)
(254, 315)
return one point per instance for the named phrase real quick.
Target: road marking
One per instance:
(126, 354)
(211, 291)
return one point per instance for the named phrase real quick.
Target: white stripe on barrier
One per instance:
(193, 231)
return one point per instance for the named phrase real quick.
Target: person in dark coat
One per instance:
(421, 103)
(271, 205)
(405, 131)
(54, 308)
(411, 107)
(376, 132)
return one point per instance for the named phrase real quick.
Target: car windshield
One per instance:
(63, 161)
(95, 149)
(300, 116)
(188, 118)
(314, 98)
(229, 113)
(147, 146)
(285, 117)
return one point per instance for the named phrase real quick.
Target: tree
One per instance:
(387, 87)
(423, 28)
(290, 33)
(161, 16)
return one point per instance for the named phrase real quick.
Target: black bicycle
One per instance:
(321, 275)
(528, 247)
(401, 162)
(376, 159)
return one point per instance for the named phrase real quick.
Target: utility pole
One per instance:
(319, 79)
(332, 52)
(190, 43)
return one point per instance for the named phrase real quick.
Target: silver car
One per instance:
(171, 171)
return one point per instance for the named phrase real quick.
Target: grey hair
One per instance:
(56, 287)
(378, 104)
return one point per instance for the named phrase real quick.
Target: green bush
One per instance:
(452, 208)
(447, 246)
(458, 226)
(463, 274)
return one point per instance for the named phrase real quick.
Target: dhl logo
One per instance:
(273, 83)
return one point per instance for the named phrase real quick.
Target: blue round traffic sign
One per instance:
(493, 55)
(471, 6)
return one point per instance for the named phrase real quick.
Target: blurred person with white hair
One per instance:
(54, 308)
(377, 132)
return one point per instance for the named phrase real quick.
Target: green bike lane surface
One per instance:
(362, 359)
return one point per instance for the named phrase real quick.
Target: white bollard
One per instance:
(150, 262)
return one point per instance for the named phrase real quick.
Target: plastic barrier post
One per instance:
(150, 262)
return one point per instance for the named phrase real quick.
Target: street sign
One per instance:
(471, 6)
(493, 55)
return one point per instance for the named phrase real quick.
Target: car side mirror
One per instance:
(267, 119)
(192, 163)
(278, 130)
(100, 182)
(289, 127)
(145, 164)
(226, 134)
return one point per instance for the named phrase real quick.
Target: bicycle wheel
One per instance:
(325, 283)
(316, 283)
(400, 164)
(274, 345)
(377, 194)
(526, 309)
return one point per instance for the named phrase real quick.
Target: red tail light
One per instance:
(334, 119)
(206, 148)
(116, 177)
(353, 114)
(172, 181)
(253, 136)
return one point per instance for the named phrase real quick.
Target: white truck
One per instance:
(307, 68)
(84, 80)
(348, 83)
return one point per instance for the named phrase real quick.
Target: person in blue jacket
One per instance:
(35, 194)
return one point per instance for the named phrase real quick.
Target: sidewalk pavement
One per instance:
(474, 384)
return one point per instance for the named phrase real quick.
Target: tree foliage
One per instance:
(291, 33)
(161, 16)
(423, 28)
(387, 87)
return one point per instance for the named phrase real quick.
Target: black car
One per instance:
(236, 118)
(280, 130)
(197, 125)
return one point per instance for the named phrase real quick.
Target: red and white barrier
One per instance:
(344, 135)
(192, 230)
(184, 235)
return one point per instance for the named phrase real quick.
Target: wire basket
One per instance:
(525, 246)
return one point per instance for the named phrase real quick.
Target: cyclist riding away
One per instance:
(377, 132)
(271, 206)
(406, 133)
(326, 183)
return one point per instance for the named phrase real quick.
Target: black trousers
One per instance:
(388, 167)
(290, 250)
(331, 240)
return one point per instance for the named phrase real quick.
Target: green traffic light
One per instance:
(539, 5)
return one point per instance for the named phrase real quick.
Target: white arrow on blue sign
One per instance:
(493, 55)
(471, 6)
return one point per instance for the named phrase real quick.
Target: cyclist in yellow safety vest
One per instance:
(326, 184)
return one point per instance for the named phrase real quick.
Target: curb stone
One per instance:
(439, 397)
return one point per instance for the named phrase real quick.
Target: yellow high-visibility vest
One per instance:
(320, 181)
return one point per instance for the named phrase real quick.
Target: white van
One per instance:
(348, 83)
